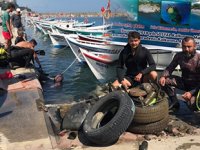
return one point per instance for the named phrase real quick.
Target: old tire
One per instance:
(150, 128)
(116, 111)
(83, 138)
(150, 114)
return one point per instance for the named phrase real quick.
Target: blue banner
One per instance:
(160, 22)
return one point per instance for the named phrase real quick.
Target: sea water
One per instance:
(78, 81)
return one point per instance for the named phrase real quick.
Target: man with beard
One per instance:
(189, 62)
(135, 65)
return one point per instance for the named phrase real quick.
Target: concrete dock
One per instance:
(22, 125)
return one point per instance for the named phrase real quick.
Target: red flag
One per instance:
(102, 9)
(108, 5)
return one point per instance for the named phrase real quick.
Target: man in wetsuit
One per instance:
(138, 62)
(189, 62)
(25, 49)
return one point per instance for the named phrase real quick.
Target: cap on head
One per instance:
(18, 10)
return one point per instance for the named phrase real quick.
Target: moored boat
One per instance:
(101, 64)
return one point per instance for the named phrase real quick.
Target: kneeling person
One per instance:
(25, 49)
(138, 61)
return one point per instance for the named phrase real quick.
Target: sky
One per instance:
(63, 5)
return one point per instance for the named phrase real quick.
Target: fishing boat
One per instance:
(102, 38)
(75, 48)
(95, 32)
(58, 39)
(101, 64)
(85, 31)
(84, 24)
(104, 47)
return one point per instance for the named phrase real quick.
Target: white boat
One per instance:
(96, 30)
(101, 64)
(101, 27)
(87, 31)
(58, 39)
(75, 48)
(101, 38)
(109, 47)
(83, 24)
(104, 47)
(37, 27)
(46, 29)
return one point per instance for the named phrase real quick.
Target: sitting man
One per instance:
(20, 36)
(135, 58)
(189, 62)
(25, 49)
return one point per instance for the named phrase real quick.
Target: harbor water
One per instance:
(78, 82)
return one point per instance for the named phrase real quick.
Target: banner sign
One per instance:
(160, 22)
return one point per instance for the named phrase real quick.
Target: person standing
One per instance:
(189, 62)
(16, 22)
(6, 26)
(135, 65)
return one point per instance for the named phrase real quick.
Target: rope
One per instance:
(69, 66)
(197, 100)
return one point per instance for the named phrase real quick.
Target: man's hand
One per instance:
(125, 83)
(187, 96)
(11, 35)
(162, 81)
(138, 77)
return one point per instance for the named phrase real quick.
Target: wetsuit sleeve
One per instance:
(151, 62)
(120, 67)
(195, 91)
(168, 71)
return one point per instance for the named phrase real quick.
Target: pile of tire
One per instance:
(107, 119)
(151, 119)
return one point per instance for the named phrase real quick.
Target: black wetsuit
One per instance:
(190, 78)
(134, 64)
(20, 55)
